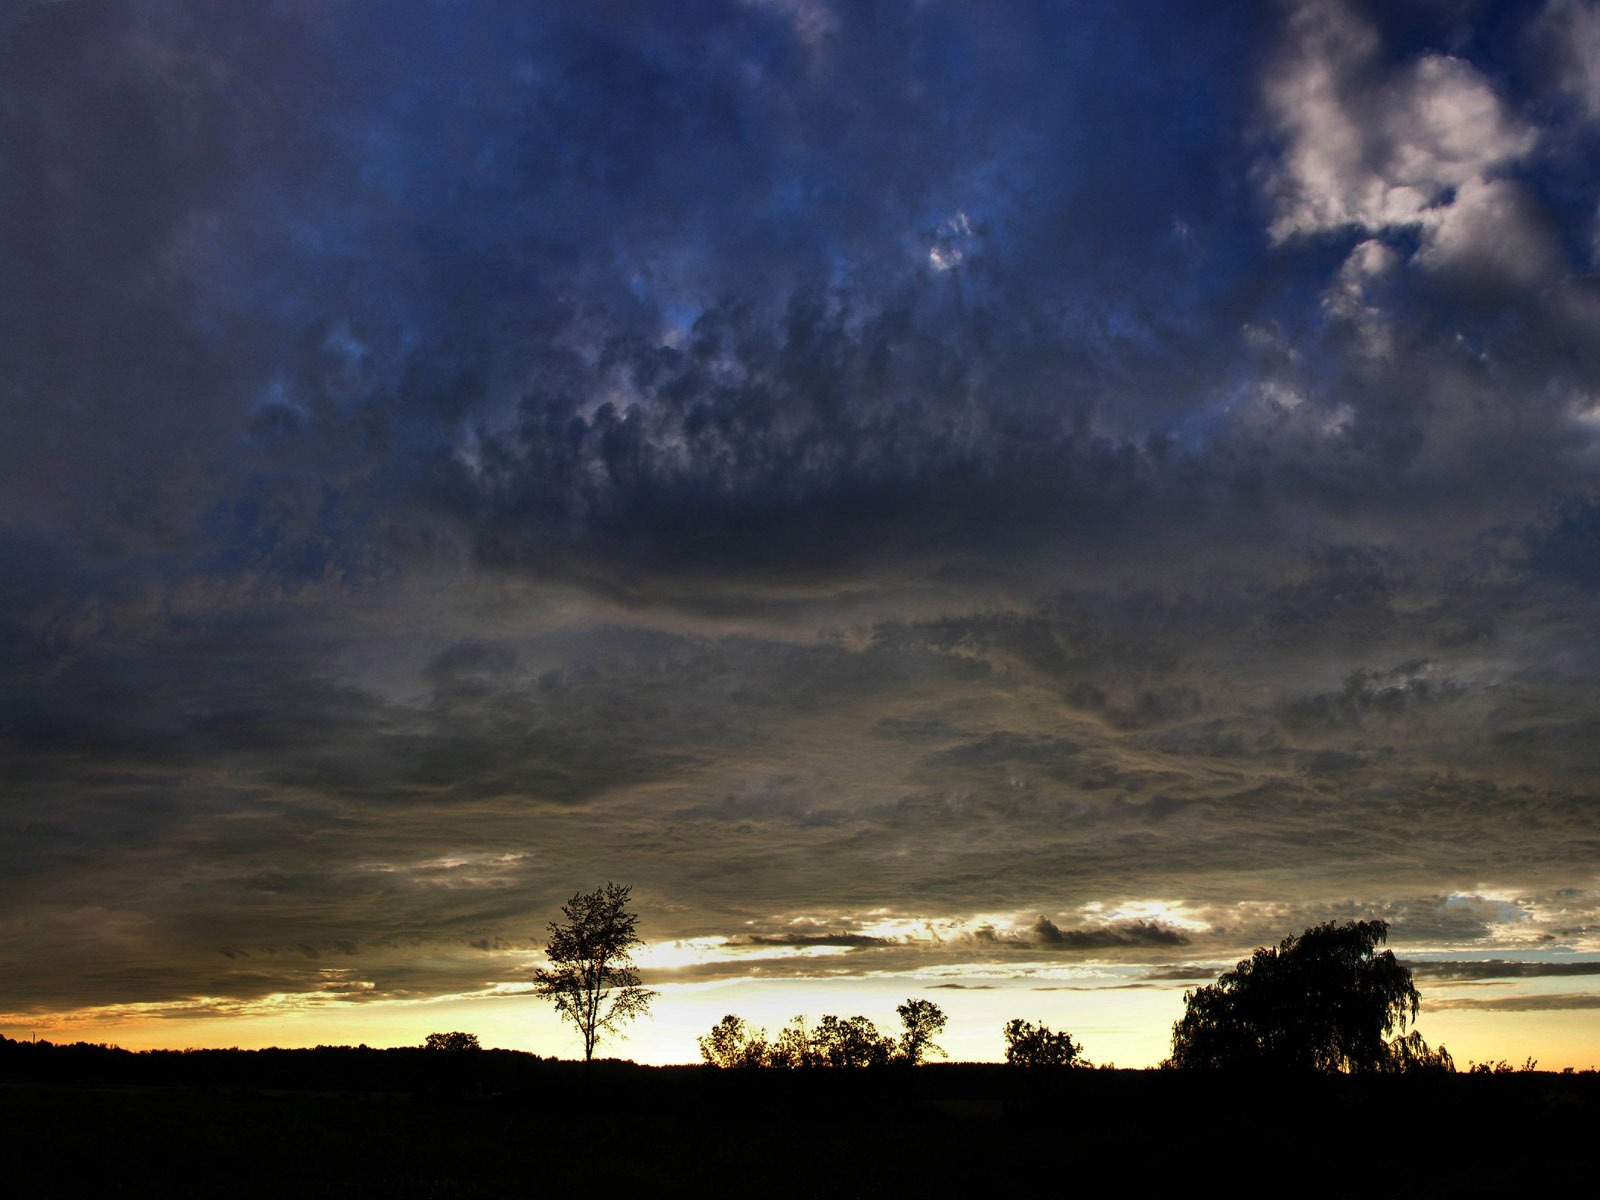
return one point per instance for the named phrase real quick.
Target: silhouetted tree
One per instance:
(1324, 1001)
(835, 1042)
(1412, 1055)
(452, 1063)
(849, 1042)
(792, 1048)
(1029, 1045)
(591, 979)
(923, 1020)
(732, 1043)
(1502, 1067)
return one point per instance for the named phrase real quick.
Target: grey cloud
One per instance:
(1568, 548)
(1046, 935)
(999, 749)
(1562, 1002)
(1564, 36)
(849, 941)
(1500, 969)
(915, 729)
(1382, 696)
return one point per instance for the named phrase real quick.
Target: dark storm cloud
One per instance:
(849, 941)
(1045, 934)
(664, 291)
(806, 459)
(732, 292)
(570, 374)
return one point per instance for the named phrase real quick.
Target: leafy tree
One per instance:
(1029, 1045)
(1324, 1001)
(849, 1042)
(792, 1048)
(835, 1042)
(452, 1064)
(732, 1043)
(1411, 1055)
(591, 979)
(923, 1020)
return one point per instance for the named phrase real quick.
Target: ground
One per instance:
(946, 1129)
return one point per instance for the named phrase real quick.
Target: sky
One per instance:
(1017, 504)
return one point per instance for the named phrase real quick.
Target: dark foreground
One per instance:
(510, 1125)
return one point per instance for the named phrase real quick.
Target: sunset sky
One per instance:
(1016, 504)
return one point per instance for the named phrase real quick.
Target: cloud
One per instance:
(848, 941)
(1568, 31)
(1561, 1002)
(1046, 935)
(1374, 695)
(919, 460)
(1378, 147)
(1500, 969)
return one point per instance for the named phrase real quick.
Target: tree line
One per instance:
(1328, 1000)
(831, 1042)
(855, 1042)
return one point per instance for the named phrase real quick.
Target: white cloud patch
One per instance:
(1490, 231)
(1422, 146)
(1350, 297)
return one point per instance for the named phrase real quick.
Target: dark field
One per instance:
(274, 1123)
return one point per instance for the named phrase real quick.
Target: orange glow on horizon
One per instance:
(1129, 1026)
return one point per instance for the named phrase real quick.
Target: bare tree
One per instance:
(591, 978)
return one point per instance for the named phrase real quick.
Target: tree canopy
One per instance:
(833, 1042)
(733, 1043)
(1324, 1001)
(923, 1020)
(1030, 1045)
(591, 978)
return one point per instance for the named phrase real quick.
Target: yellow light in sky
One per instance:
(1116, 1016)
